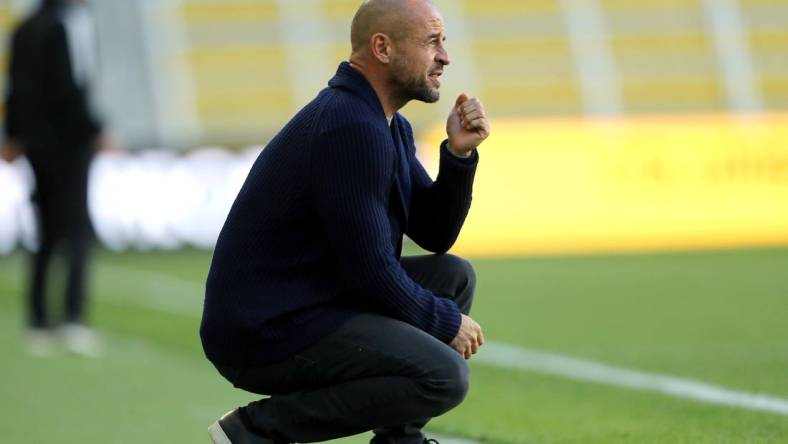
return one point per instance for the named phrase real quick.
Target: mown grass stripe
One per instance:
(185, 298)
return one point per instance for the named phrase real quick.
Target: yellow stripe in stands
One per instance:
(475, 8)
(220, 12)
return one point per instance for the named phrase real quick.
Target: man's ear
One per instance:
(381, 47)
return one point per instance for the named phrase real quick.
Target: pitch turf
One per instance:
(718, 317)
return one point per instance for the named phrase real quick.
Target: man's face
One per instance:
(420, 58)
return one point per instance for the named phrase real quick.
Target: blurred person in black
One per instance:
(49, 120)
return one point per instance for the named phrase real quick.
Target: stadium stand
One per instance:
(768, 40)
(338, 15)
(237, 63)
(251, 63)
(522, 57)
(664, 55)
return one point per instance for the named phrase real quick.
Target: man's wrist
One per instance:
(455, 153)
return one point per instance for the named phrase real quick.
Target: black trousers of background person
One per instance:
(61, 205)
(374, 373)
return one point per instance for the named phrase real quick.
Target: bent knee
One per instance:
(461, 269)
(448, 384)
(468, 272)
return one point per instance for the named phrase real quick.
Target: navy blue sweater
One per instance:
(315, 234)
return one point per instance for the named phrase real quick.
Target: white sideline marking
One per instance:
(518, 358)
(184, 297)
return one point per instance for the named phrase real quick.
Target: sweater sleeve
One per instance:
(352, 171)
(438, 209)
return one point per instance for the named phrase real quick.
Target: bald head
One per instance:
(398, 47)
(390, 17)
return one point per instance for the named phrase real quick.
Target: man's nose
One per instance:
(442, 57)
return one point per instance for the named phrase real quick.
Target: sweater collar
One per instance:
(349, 78)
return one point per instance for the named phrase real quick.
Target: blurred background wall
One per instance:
(185, 72)
(182, 74)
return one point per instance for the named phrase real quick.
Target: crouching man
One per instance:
(307, 298)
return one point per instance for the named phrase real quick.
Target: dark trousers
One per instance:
(374, 373)
(61, 204)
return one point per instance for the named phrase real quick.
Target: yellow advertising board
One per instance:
(649, 183)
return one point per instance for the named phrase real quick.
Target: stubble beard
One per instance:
(411, 86)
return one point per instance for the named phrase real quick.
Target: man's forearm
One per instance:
(438, 210)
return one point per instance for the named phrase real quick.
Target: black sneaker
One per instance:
(230, 429)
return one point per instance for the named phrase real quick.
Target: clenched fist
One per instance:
(467, 126)
(469, 338)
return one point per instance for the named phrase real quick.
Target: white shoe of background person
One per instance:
(80, 340)
(40, 342)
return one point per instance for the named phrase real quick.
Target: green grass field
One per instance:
(716, 317)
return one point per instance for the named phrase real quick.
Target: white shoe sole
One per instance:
(217, 434)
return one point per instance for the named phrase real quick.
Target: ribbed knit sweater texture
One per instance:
(315, 234)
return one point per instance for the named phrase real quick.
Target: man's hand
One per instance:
(10, 150)
(107, 142)
(467, 126)
(469, 338)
